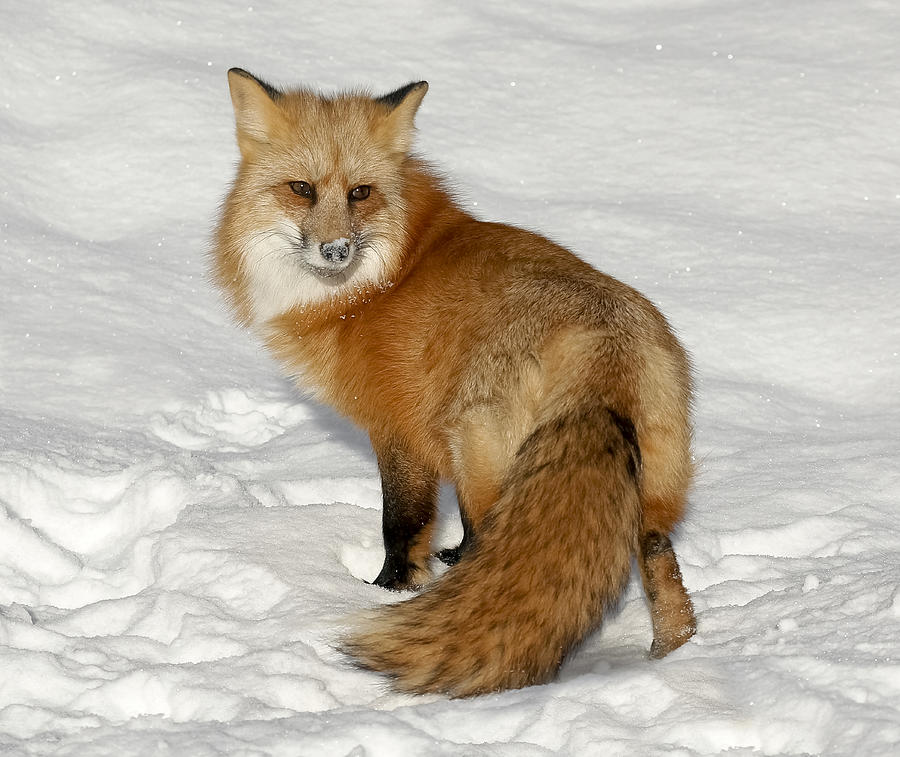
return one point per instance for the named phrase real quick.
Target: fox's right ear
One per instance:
(256, 111)
(397, 128)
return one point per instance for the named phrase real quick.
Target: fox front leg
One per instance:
(409, 494)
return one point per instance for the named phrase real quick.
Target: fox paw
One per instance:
(402, 577)
(450, 555)
(662, 646)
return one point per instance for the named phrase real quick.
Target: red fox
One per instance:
(556, 399)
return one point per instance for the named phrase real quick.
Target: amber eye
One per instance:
(360, 193)
(302, 188)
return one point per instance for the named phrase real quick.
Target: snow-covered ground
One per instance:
(183, 536)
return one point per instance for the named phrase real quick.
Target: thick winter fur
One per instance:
(555, 398)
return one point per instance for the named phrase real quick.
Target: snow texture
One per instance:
(183, 536)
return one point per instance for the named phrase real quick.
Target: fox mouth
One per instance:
(333, 264)
(331, 272)
(323, 272)
(328, 261)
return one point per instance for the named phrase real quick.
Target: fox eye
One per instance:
(360, 193)
(302, 188)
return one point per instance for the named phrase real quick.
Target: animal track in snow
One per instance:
(82, 532)
(227, 419)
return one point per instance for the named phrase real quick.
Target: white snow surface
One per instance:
(184, 536)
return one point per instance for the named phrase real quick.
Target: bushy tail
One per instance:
(552, 552)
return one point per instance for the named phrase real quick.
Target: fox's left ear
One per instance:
(403, 103)
(256, 111)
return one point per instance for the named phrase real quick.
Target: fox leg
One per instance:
(474, 498)
(452, 555)
(481, 456)
(665, 476)
(409, 495)
(670, 606)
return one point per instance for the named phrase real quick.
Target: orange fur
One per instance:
(554, 397)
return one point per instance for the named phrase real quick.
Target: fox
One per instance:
(554, 398)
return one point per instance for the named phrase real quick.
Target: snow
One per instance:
(183, 535)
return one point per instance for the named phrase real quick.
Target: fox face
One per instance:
(317, 209)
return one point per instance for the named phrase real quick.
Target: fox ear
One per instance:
(403, 103)
(256, 112)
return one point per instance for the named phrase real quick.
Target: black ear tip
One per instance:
(272, 92)
(393, 99)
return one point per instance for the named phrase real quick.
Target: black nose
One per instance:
(337, 251)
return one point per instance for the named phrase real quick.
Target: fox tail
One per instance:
(552, 552)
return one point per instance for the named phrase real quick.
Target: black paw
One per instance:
(396, 577)
(450, 555)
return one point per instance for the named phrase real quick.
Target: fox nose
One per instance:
(337, 251)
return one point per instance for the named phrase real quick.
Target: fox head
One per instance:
(317, 209)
